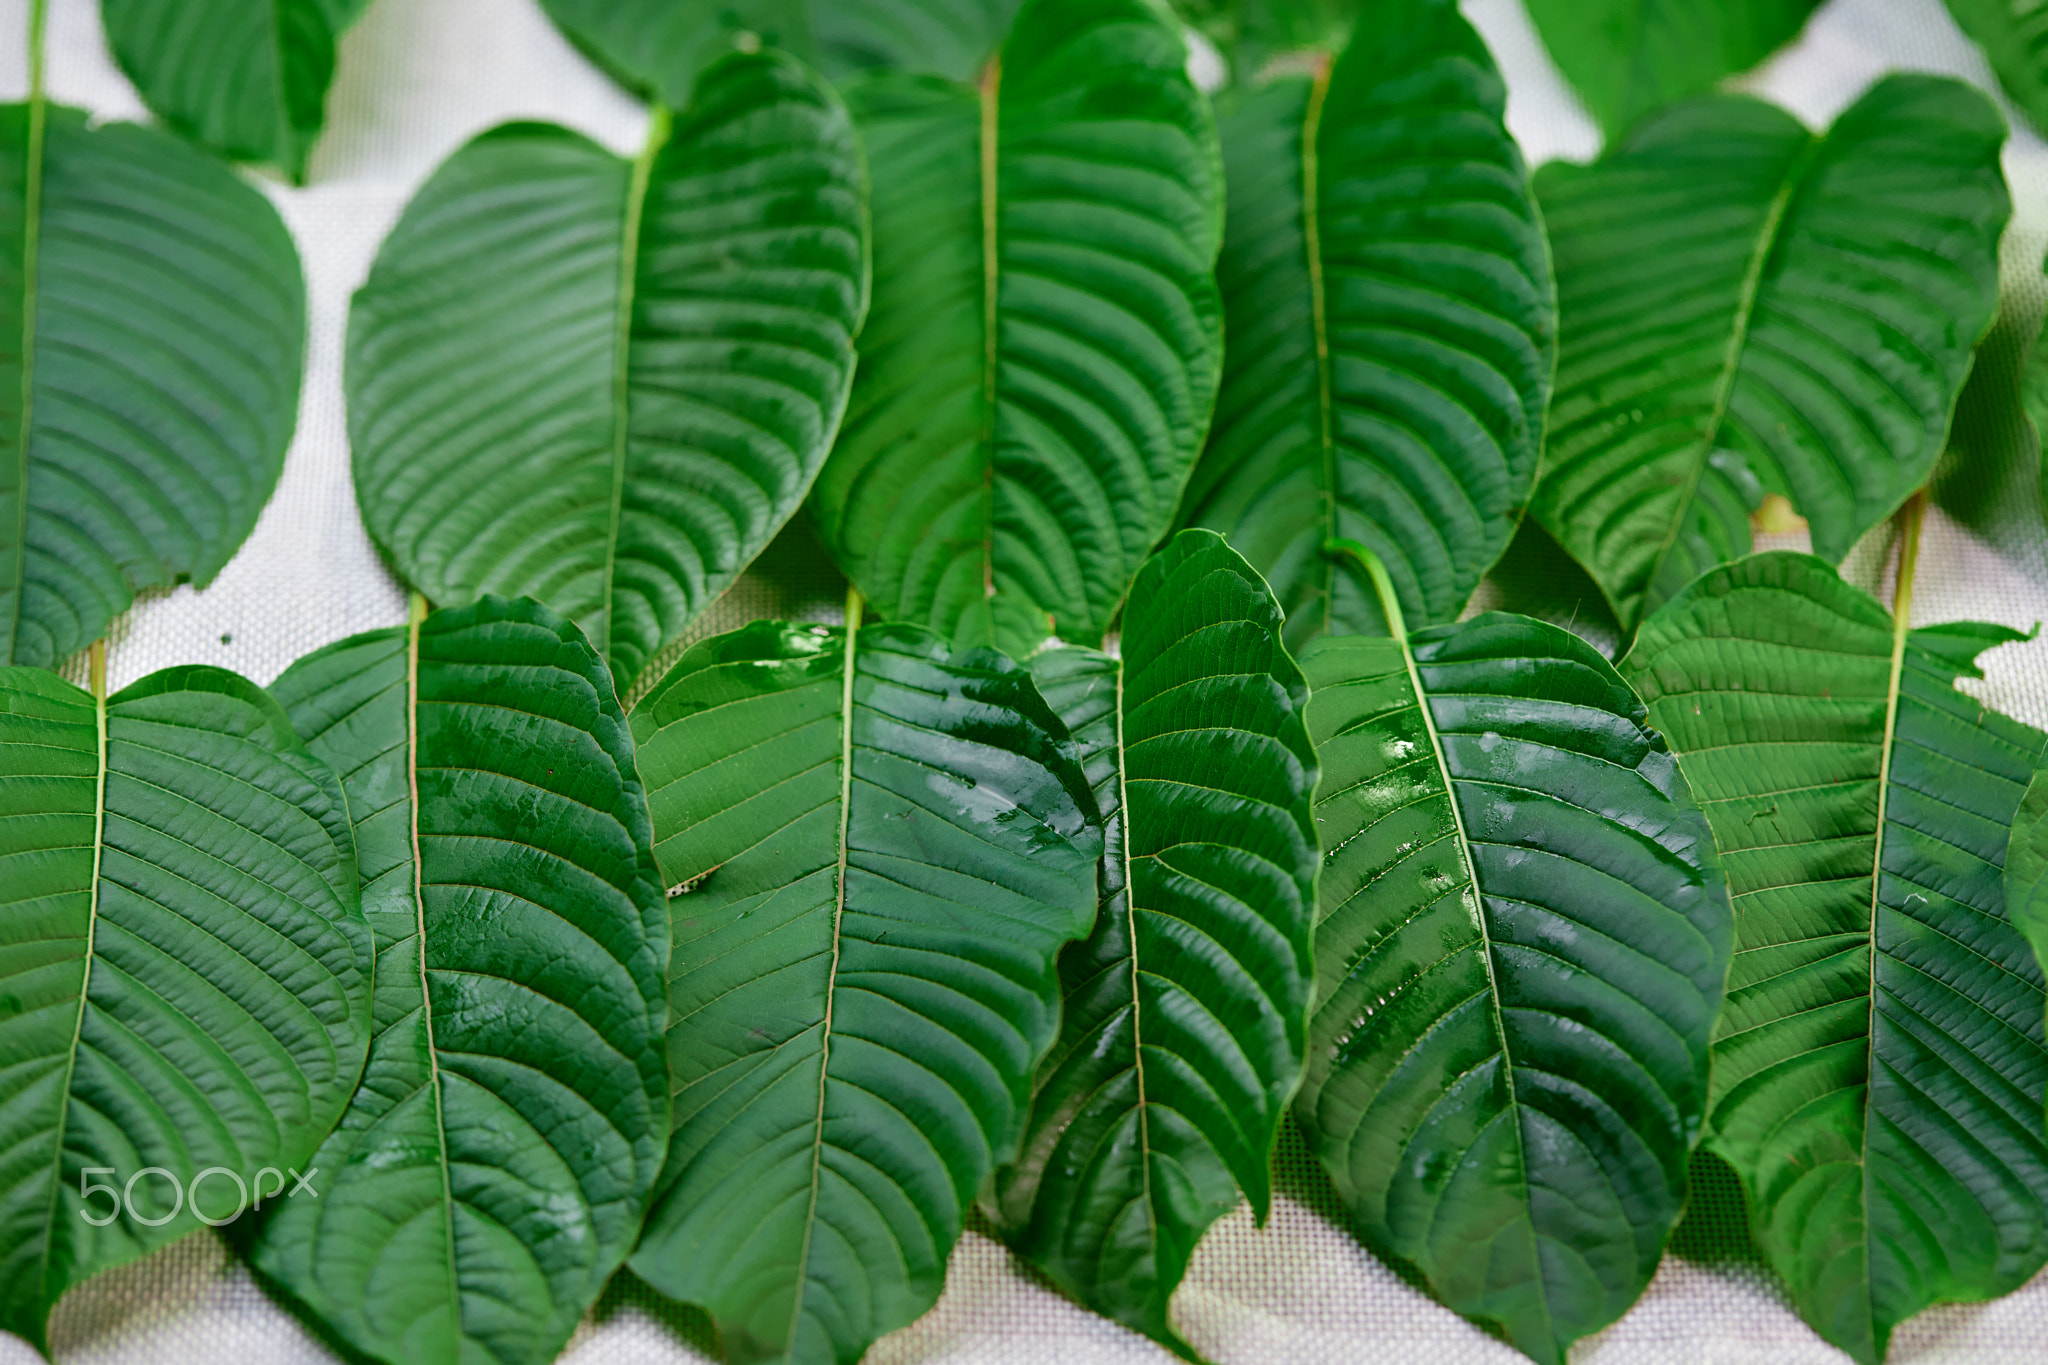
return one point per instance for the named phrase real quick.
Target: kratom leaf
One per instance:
(1879, 1070)
(492, 1171)
(2014, 36)
(1186, 1009)
(1042, 359)
(658, 47)
(152, 333)
(1746, 308)
(247, 79)
(875, 849)
(1627, 57)
(1391, 327)
(184, 968)
(1522, 941)
(606, 384)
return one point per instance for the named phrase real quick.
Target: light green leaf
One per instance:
(875, 849)
(152, 334)
(1042, 360)
(1879, 1069)
(658, 48)
(607, 384)
(247, 79)
(1391, 326)
(2014, 36)
(1628, 57)
(1746, 308)
(1523, 937)
(492, 1171)
(184, 969)
(1186, 1010)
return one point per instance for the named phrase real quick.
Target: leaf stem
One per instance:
(1382, 584)
(991, 264)
(31, 236)
(1312, 245)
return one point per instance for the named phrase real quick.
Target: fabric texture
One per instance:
(419, 77)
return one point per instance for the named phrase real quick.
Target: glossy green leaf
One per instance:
(248, 79)
(1879, 1070)
(152, 334)
(492, 1171)
(1522, 939)
(1746, 308)
(875, 849)
(658, 47)
(2014, 36)
(1042, 359)
(1390, 323)
(184, 969)
(1186, 1009)
(606, 384)
(1628, 57)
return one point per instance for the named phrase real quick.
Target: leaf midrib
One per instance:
(988, 93)
(1123, 853)
(1312, 235)
(92, 919)
(31, 237)
(1768, 236)
(622, 344)
(416, 615)
(1902, 611)
(803, 1260)
(1390, 603)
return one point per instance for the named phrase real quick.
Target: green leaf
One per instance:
(1186, 1010)
(152, 334)
(1628, 57)
(2014, 36)
(1746, 308)
(249, 80)
(1392, 326)
(1042, 359)
(607, 384)
(1522, 942)
(875, 849)
(1879, 1069)
(492, 1171)
(658, 48)
(184, 969)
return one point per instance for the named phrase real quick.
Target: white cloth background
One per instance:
(419, 77)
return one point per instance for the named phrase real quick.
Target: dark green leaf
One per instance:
(1391, 326)
(875, 850)
(658, 48)
(2026, 867)
(2014, 36)
(606, 384)
(1523, 938)
(248, 79)
(1879, 1070)
(492, 1171)
(1627, 57)
(184, 969)
(1186, 1009)
(152, 333)
(1748, 309)
(1028, 406)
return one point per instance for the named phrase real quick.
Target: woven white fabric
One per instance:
(417, 78)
